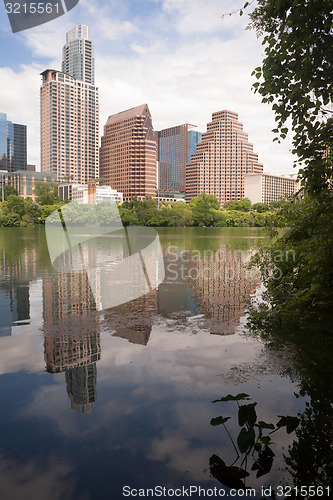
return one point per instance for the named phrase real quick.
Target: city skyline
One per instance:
(184, 62)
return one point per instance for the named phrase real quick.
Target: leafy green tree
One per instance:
(180, 214)
(242, 205)
(277, 203)
(9, 190)
(14, 205)
(47, 194)
(260, 207)
(219, 218)
(296, 78)
(202, 209)
(297, 267)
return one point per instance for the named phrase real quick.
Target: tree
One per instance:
(9, 190)
(242, 205)
(202, 209)
(296, 268)
(47, 194)
(296, 78)
(260, 207)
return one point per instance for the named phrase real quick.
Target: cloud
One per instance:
(114, 31)
(196, 17)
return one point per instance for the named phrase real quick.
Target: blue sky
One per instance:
(179, 56)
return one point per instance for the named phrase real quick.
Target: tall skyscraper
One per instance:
(13, 145)
(70, 113)
(221, 160)
(78, 55)
(175, 147)
(128, 160)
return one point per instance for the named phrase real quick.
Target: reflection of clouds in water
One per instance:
(33, 481)
(22, 353)
(181, 455)
(156, 400)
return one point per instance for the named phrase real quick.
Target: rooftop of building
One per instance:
(142, 110)
(292, 176)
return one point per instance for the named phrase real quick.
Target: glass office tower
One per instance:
(13, 145)
(175, 147)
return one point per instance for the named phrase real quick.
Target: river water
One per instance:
(113, 403)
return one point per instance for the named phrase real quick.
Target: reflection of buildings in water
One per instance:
(66, 294)
(72, 335)
(222, 286)
(174, 294)
(136, 334)
(14, 306)
(81, 387)
(76, 354)
(15, 289)
(133, 320)
(68, 350)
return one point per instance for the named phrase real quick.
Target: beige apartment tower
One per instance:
(265, 187)
(128, 153)
(69, 112)
(221, 160)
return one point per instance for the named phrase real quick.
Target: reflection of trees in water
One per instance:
(310, 457)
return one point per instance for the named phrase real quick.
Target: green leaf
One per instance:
(266, 440)
(291, 423)
(246, 439)
(264, 425)
(264, 462)
(247, 415)
(219, 420)
(239, 397)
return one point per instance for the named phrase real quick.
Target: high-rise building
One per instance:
(175, 147)
(221, 160)
(70, 113)
(265, 187)
(128, 160)
(13, 145)
(78, 55)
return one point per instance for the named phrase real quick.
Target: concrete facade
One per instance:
(128, 157)
(221, 160)
(70, 114)
(265, 187)
(92, 194)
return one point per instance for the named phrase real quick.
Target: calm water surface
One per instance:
(93, 401)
